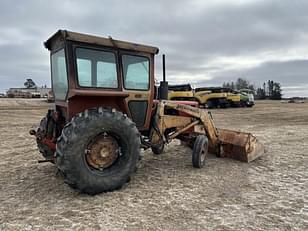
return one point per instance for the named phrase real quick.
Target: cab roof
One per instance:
(91, 39)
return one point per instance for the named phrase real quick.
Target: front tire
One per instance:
(159, 149)
(98, 150)
(200, 151)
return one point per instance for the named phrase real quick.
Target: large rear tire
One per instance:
(98, 150)
(45, 129)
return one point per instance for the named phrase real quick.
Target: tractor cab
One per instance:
(89, 71)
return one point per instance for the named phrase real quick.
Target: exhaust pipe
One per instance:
(163, 88)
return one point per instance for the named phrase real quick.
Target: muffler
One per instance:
(239, 145)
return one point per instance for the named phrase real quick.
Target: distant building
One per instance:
(28, 92)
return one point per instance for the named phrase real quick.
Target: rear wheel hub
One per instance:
(102, 152)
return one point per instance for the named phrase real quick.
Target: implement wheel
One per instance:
(200, 151)
(159, 149)
(98, 151)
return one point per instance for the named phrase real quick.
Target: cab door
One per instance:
(137, 82)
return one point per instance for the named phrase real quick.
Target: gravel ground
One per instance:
(166, 193)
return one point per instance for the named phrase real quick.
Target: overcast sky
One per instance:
(205, 42)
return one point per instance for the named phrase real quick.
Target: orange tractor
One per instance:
(106, 111)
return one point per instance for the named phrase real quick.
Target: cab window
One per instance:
(59, 75)
(136, 72)
(96, 68)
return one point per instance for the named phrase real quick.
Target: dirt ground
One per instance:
(166, 193)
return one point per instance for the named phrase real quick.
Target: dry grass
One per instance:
(166, 193)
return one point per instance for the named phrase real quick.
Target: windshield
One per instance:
(59, 75)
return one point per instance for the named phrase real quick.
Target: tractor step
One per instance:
(46, 160)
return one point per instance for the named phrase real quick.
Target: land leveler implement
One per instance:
(106, 110)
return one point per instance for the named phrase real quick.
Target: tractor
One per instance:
(248, 97)
(106, 110)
